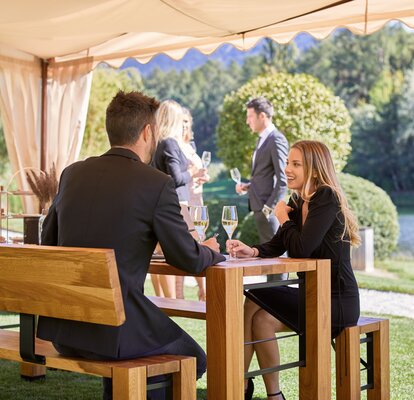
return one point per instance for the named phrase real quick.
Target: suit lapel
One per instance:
(261, 149)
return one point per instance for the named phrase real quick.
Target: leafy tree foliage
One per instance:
(383, 140)
(105, 84)
(304, 109)
(351, 65)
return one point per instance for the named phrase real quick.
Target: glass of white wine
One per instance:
(206, 159)
(199, 216)
(235, 175)
(229, 220)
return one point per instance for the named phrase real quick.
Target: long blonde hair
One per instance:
(319, 171)
(169, 118)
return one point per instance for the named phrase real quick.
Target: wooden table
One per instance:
(224, 316)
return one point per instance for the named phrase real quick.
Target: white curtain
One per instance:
(68, 92)
(68, 89)
(20, 113)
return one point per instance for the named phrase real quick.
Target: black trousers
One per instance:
(185, 346)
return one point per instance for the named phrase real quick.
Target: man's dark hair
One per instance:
(261, 104)
(127, 115)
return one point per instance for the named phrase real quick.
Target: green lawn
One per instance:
(395, 275)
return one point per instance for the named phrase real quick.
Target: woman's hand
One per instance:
(281, 212)
(238, 249)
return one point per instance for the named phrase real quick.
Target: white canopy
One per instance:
(112, 30)
(66, 39)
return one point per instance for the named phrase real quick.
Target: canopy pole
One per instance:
(43, 117)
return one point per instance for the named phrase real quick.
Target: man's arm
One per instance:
(279, 152)
(179, 247)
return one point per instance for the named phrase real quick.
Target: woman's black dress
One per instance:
(319, 237)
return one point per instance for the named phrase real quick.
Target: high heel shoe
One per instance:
(276, 394)
(248, 394)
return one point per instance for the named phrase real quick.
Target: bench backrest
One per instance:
(79, 284)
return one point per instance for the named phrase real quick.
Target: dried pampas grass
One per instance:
(44, 185)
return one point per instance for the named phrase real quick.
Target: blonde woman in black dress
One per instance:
(316, 223)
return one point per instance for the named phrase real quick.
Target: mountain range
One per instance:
(194, 58)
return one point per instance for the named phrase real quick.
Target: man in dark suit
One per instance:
(118, 201)
(268, 183)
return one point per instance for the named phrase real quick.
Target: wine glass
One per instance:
(229, 220)
(199, 216)
(206, 159)
(235, 175)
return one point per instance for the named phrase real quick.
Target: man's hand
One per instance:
(267, 211)
(212, 244)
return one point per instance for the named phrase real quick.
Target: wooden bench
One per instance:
(79, 284)
(348, 376)
(180, 307)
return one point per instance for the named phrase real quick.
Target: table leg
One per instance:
(225, 339)
(315, 377)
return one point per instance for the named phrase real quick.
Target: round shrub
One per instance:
(373, 208)
(304, 109)
(370, 204)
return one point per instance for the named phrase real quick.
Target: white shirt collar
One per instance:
(264, 134)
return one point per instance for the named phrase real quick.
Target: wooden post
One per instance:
(381, 337)
(225, 375)
(31, 372)
(348, 376)
(315, 377)
(184, 381)
(43, 118)
(129, 383)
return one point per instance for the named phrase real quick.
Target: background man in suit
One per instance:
(268, 183)
(118, 201)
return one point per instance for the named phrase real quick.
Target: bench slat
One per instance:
(156, 365)
(180, 308)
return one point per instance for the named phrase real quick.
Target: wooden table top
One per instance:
(251, 266)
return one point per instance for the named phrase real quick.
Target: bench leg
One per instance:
(184, 381)
(129, 383)
(348, 377)
(31, 372)
(381, 343)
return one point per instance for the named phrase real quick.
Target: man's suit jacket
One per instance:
(116, 201)
(268, 183)
(170, 159)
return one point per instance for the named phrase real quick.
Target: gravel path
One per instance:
(387, 303)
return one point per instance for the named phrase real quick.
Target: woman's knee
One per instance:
(264, 324)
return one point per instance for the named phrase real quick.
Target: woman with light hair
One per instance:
(169, 158)
(195, 189)
(316, 223)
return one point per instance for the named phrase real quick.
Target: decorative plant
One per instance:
(44, 185)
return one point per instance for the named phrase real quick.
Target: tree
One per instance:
(352, 64)
(304, 109)
(383, 140)
(194, 90)
(105, 84)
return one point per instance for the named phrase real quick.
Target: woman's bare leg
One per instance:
(168, 285)
(250, 309)
(155, 279)
(201, 288)
(264, 326)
